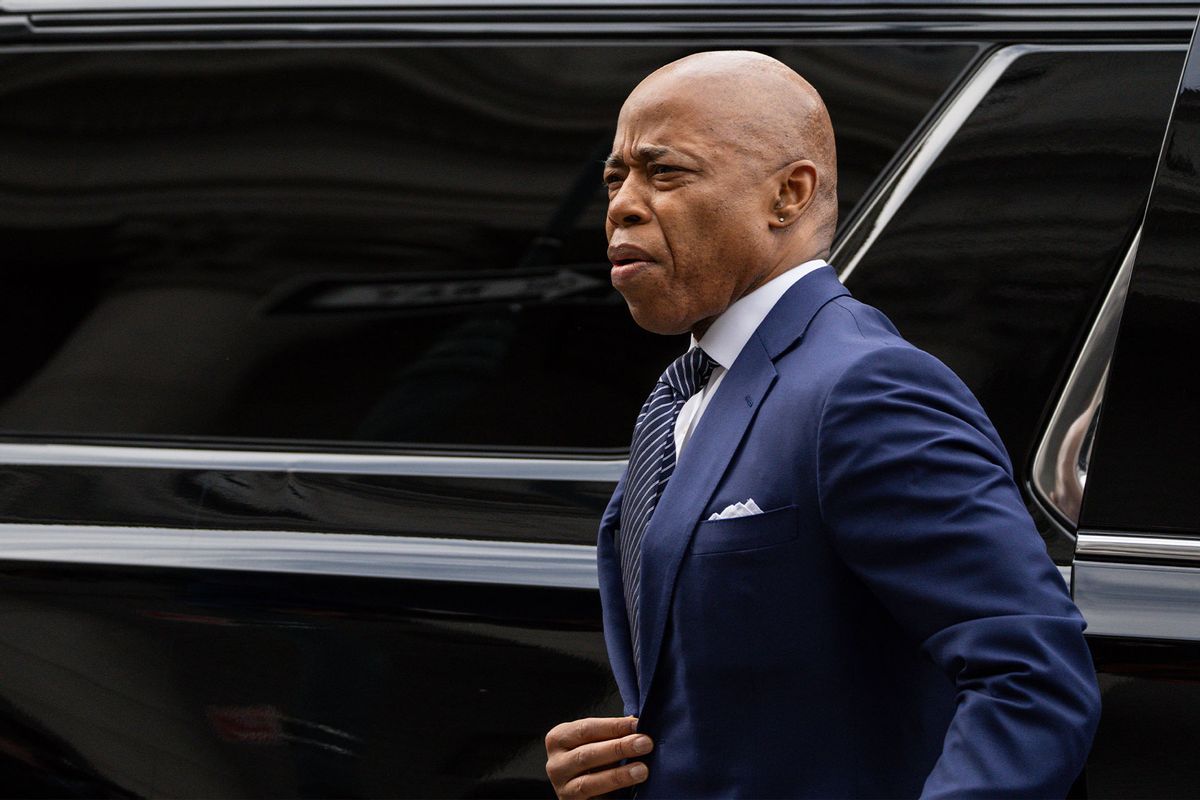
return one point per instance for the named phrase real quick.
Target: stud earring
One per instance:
(781, 219)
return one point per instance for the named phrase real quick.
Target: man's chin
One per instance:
(654, 321)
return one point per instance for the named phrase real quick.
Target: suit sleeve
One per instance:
(917, 494)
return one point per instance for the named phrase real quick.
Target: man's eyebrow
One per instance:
(647, 152)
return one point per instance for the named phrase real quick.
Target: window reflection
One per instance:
(1071, 460)
(1061, 464)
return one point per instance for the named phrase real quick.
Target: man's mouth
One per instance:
(625, 273)
(624, 254)
(627, 260)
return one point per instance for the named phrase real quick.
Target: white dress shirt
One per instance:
(726, 337)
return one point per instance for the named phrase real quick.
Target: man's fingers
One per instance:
(601, 783)
(570, 735)
(577, 751)
(564, 766)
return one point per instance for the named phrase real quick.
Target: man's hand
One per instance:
(580, 756)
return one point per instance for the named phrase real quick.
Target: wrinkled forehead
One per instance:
(680, 115)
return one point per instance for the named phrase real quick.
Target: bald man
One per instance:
(818, 578)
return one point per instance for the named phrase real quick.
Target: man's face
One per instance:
(687, 212)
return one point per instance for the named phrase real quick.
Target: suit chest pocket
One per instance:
(769, 528)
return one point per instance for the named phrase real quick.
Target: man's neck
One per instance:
(723, 336)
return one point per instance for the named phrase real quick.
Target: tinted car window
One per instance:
(341, 245)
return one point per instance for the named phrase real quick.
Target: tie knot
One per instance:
(688, 373)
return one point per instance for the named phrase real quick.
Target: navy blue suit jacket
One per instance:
(890, 626)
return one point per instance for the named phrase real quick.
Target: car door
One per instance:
(1136, 573)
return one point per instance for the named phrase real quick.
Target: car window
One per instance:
(348, 245)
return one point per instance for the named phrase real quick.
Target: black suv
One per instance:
(302, 439)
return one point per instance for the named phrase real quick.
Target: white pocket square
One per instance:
(745, 509)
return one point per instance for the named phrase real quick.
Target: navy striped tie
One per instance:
(651, 462)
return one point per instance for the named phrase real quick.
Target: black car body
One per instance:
(300, 465)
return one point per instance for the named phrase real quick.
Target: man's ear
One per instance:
(796, 186)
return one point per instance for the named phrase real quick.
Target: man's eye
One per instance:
(612, 181)
(663, 169)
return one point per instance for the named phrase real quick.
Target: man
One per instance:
(817, 575)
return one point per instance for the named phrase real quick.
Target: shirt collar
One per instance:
(728, 333)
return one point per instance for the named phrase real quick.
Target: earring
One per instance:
(781, 219)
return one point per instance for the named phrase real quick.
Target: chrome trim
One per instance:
(1136, 548)
(1090, 13)
(532, 468)
(19, 6)
(1138, 601)
(566, 566)
(47, 6)
(1080, 401)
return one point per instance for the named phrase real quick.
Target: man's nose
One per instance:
(628, 206)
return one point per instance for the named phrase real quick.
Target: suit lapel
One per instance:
(700, 468)
(709, 452)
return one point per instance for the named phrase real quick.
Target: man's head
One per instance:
(722, 176)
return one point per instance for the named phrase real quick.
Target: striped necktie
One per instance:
(651, 462)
